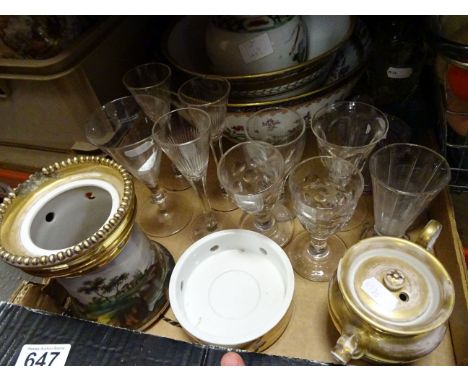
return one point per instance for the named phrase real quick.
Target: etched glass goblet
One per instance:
(350, 130)
(148, 80)
(121, 129)
(252, 173)
(325, 191)
(184, 135)
(211, 95)
(285, 129)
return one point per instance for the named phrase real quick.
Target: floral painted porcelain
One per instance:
(343, 76)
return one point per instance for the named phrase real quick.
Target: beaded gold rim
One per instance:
(69, 256)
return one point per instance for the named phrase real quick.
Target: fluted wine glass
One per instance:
(184, 135)
(148, 80)
(285, 129)
(252, 173)
(325, 191)
(121, 129)
(211, 93)
(350, 130)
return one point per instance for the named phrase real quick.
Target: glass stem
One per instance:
(158, 196)
(265, 222)
(217, 157)
(318, 248)
(220, 146)
(215, 154)
(199, 185)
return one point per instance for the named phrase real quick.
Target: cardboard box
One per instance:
(100, 345)
(310, 334)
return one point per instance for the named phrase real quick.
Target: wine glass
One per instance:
(350, 130)
(154, 79)
(184, 135)
(285, 129)
(252, 173)
(211, 94)
(325, 191)
(122, 130)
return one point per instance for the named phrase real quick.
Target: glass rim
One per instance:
(374, 176)
(323, 108)
(268, 145)
(301, 118)
(206, 104)
(100, 111)
(134, 69)
(321, 157)
(206, 129)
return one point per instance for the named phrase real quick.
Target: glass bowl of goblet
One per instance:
(325, 191)
(252, 174)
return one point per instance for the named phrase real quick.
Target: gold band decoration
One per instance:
(89, 253)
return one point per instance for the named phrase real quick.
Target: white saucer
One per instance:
(231, 287)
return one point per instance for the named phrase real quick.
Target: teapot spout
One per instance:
(347, 347)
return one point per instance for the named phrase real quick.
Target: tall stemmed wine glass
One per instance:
(350, 130)
(252, 173)
(211, 94)
(121, 129)
(325, 191)
(148, 80)
(184, 135)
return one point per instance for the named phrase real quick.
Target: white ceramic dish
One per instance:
(232, 287)
(184, 47)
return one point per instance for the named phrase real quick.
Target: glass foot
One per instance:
(204, 224)
(219, 200)
(359, 216)
(156, 223)
(281, 233)
(282, 213)
(321, 269)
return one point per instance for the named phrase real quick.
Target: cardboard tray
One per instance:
(310, 334)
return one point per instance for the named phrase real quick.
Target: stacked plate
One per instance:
(336, 50)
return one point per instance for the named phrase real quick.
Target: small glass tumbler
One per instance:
(252, 173)
(325, 191)
(350, 130)
(405, 179)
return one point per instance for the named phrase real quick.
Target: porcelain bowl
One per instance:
(344, 74)
(184, 47)
(238, 45)
(233, 289)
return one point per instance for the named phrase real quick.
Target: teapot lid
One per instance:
(395, 285)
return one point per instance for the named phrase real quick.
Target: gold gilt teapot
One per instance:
(390, 299)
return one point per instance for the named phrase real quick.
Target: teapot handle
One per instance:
(429, 235)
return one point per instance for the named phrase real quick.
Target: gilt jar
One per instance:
(74, 222)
